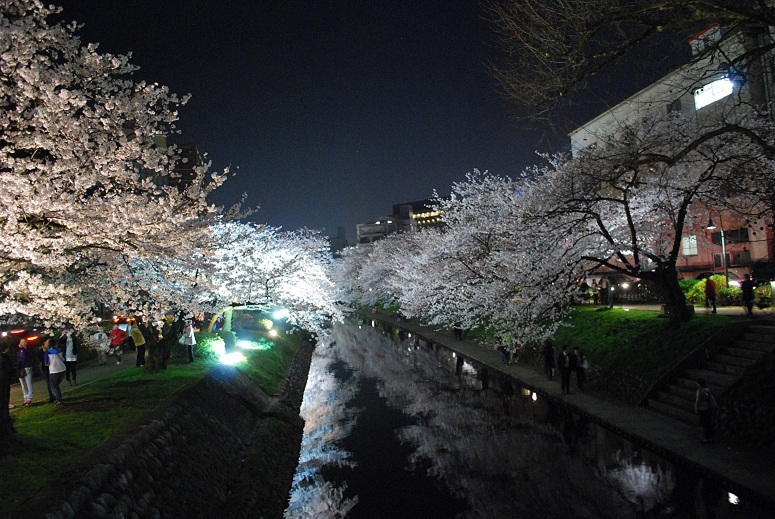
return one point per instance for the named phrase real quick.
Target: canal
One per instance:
(398, 428)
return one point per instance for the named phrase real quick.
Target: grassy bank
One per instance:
(635, 341)
(49, 438)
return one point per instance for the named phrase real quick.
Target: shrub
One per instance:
(694, 290)
(730, 296)
(687, 284)
(763, 295)
(208, 345)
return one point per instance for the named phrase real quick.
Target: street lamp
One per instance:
(712, 226)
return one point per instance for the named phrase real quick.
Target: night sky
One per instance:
(330, 111)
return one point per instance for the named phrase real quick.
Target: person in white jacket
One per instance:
(56, 369)
(101, 342)
(189, 340)
(70, 345)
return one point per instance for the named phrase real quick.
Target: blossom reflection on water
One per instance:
(496, 447)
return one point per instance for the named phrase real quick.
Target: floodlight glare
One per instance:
(232, 358)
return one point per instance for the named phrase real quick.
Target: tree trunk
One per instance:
(227, 313)
(211, 321)
(675, 301)
(6, 426)
(6, 377)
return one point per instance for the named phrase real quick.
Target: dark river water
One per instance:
(399, 429)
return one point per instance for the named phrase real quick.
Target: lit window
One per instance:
(689, 245)
(712, 92)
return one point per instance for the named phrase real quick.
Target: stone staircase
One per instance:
(721, 368)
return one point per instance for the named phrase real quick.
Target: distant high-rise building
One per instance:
(406, 217)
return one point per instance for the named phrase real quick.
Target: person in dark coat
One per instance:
(550, 363)
(458, 330)
(748, 296)
(705, 407)
(567, 364)
(581, 367)
(7, 377)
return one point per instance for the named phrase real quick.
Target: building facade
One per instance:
(709, 88)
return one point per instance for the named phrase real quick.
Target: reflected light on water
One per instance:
(466, 431)
(468, 368)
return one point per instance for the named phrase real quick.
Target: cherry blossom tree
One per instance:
(90, 206)
(484, 269)
(499, 266)
(379, 273)
(264, 267)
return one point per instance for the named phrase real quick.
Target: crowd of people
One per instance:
(567, 362)
(58, 355)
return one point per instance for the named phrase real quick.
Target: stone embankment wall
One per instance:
(220, 448)
(748, 425)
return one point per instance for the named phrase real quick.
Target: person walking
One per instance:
(503, 350)
(747, 287)
(69, 346)
(139, 340)
(43, 358)
(458, 329)
(566, 364)
(101, 342)
(56, 369)
(117, 339)
(189, 340)
(515, 346)
(550, 363)
(581, 367)
(705, 407)
(710, 294)
(24, 367)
